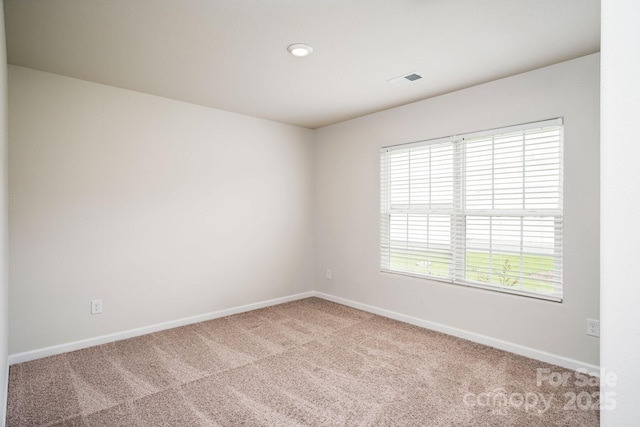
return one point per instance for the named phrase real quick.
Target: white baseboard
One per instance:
(90, 342)
(5, 398)
(532, 353)
(471, 336)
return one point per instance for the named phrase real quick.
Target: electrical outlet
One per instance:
(328, 274)
(593, 327)
(96, 306)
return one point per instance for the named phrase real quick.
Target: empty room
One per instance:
(312, 212)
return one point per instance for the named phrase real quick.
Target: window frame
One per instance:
(459, 212)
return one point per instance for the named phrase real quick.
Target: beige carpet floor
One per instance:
(309, 362)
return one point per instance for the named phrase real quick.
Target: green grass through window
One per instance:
(534, 274)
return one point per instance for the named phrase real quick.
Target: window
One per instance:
(481, 209)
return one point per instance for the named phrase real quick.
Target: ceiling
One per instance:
(232, 54)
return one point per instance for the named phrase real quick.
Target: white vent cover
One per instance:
(406, 79)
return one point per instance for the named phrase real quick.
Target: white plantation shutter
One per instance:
(482, 209)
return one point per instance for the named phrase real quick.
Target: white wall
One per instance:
(347, 209)
(620, 250)
(4, 300)
(161, 208)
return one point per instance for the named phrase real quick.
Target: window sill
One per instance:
(498, 289)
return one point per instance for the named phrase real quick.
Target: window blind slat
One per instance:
(482, 209)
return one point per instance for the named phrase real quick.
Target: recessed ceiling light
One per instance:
(300, 49)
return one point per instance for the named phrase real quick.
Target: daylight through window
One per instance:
(481, 209)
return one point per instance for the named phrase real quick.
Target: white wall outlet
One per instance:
(593, 327)
(328, 274)
(96, 306)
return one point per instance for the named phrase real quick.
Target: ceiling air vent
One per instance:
(406, 79)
